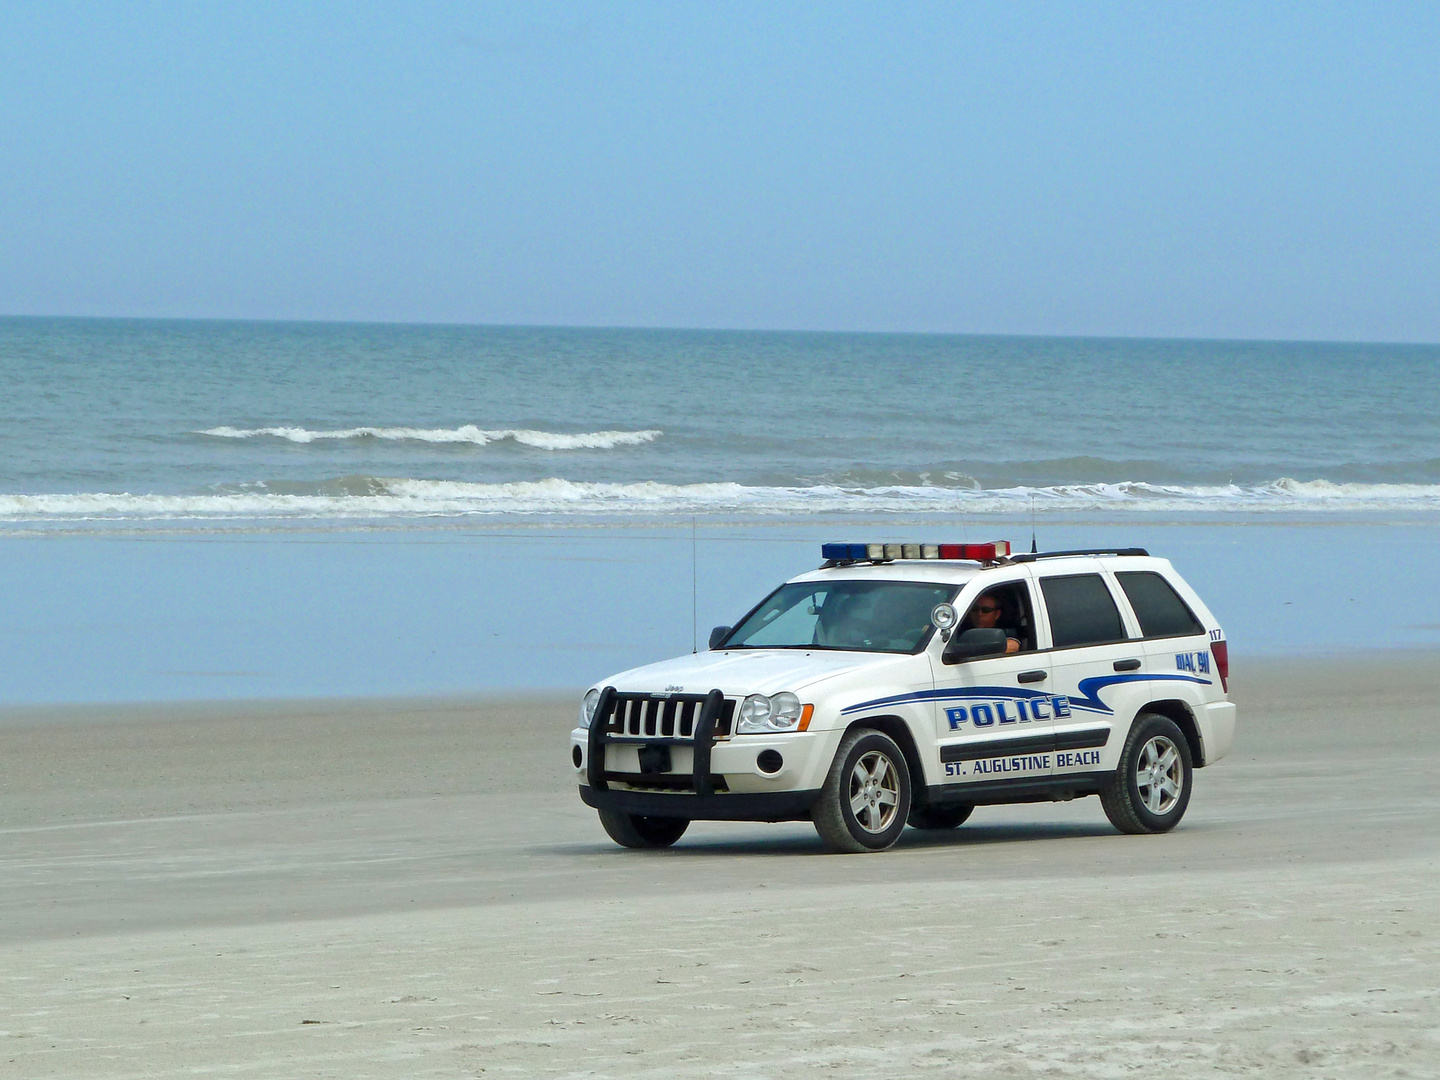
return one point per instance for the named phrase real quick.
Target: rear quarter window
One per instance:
(1082, 611)
(1158, 606)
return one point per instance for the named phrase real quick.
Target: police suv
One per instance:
(909, 683)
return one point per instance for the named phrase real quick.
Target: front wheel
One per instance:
(1151, 787)
(638, 831)
(866, 797)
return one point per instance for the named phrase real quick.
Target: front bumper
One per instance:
(735, 806)
(700, 762)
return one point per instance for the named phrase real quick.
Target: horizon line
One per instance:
(234, 320)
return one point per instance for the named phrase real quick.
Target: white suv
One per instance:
(909, 683)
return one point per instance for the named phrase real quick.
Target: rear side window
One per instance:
(1082, 611)
(1158, 606)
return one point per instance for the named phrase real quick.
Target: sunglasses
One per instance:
(986, 610)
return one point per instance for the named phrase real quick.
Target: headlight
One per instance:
(587, 709)
(760, 714)
(784, 710)
(754, 713)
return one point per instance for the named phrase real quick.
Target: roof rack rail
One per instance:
(1031, 556)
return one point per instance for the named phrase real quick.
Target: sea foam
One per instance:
(466, 433)
(391, 498)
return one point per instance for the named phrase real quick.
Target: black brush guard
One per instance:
(701, 796)
(607, 726)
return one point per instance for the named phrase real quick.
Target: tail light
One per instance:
(1221, 651)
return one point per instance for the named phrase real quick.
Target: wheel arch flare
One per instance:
(899, 730)
(1184, 717)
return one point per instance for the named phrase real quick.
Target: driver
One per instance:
(987, 615)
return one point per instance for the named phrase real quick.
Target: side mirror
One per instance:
(720, 633)
(974, 643)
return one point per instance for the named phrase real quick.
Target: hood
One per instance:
(744, 671)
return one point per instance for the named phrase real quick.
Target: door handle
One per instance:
(1030, 676)
(1127, 665)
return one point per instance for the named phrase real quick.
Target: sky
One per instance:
(1171, 170)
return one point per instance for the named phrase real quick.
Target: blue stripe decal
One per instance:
(1090, 688)
(989, 693)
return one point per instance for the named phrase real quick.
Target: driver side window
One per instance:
(1008, 607)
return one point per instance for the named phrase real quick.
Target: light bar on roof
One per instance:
(1000, 549)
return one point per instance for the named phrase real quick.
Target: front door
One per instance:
(1096, 666)
(994, 715)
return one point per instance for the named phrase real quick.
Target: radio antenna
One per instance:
(694, 592)
(1033, 548)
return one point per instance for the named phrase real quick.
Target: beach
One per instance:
(412, 887)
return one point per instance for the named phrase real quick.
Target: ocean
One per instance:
(132, 423)
(194, 510)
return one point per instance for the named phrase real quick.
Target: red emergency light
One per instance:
(976, 552)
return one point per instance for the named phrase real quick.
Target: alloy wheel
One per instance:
(1159, 772)
(874, 791)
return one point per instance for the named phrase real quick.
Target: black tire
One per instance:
(1147, 795)
(638, 831)
(882, 795)
(946, 816)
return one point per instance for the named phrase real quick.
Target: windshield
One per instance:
(864, 616)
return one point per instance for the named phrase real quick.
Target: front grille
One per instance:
(662, 716)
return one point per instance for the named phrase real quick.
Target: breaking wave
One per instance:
(367, 497)
(466, 433)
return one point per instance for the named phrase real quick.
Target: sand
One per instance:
(409, 889)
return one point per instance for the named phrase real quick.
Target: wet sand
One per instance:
(412, 888)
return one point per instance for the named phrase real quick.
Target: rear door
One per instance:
(1095, 662)
(1176, 643)
(993, 715)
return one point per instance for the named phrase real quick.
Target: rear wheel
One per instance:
(1151, 787)
(866, 797)
(638, 831)
(940, 817)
